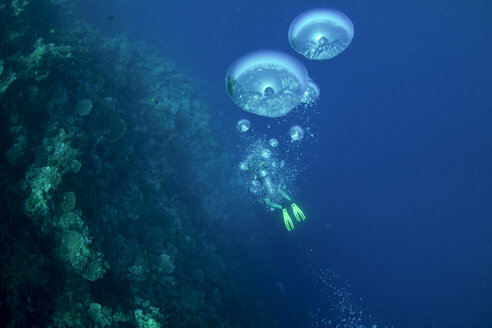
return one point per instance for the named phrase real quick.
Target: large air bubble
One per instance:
(267, 82)
(320, 34)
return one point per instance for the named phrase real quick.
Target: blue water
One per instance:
(401, 166)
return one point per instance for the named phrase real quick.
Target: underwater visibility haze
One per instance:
(245, 164)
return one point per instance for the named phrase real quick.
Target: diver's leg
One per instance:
(284, 194)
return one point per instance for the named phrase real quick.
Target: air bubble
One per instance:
(320, 34)
(267, 82)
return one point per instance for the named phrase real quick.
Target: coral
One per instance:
(136, 199)
(65, 319)
(70, 309)
(35, 205)
(71, 221)
(38, 62)
(62, 154)
(164, 264)
(107, 122)
(48, 178)
(148, 318)
(101, 316)
(116, 128)
(164, 267)
(68, 202)
(139, 270)
(193, 299)
(75, 247)
(6, 80)
(7, 77)
(17, 151)
(83, 107)
(119, 316)
(41, 181)
(18, 6)
(76, 251)
(76, 166)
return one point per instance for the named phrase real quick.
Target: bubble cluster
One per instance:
(267, 82)
(337, 306)
(264, 171)
(340, 308)
(271, 83)
(320, 34)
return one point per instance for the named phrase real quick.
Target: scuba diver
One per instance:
(261, 167)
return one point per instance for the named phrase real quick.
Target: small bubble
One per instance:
(265, 153)
(296, 133)
(243, 125)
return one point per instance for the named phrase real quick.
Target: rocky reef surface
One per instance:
(112, 184)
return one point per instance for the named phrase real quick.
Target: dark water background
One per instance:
(401, 166)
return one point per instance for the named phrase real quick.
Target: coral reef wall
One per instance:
(112, 184)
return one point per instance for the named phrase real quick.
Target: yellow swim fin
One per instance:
(287, 220)
(297, 212)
